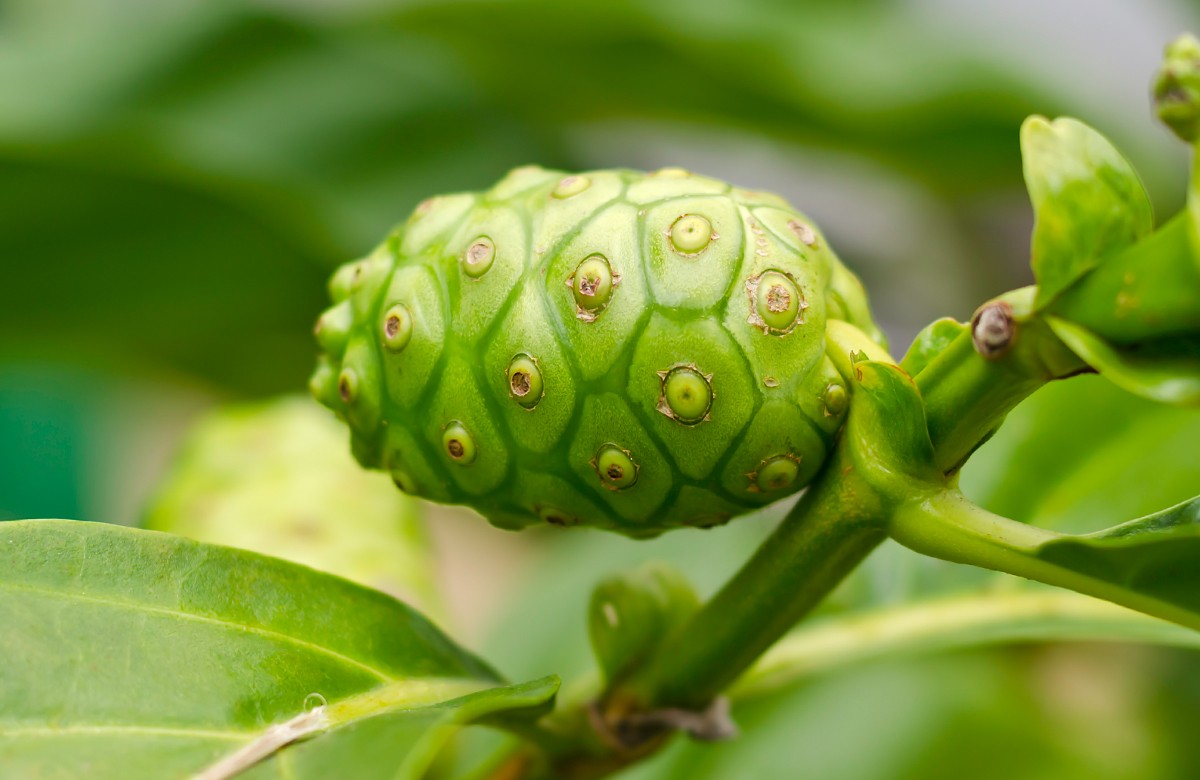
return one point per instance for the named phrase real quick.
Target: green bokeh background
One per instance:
(177, 180)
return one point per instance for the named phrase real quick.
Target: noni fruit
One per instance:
(614, 349)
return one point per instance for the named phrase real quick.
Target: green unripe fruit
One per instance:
(614, 349)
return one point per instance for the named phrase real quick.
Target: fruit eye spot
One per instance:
(479, 257)
(615, 467)
(348, 385)
(571, 185)
(803, 232)
(776, 305)
(834, 399)
(778, 298)
(458, 444)
(775, 473)
(690, 234)
(592, 285)
(520, 383)
(555, 516)
(397, 327)
(525, 382)
(686, 395)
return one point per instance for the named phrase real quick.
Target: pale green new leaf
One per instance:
(135, 654)
(1087, 201)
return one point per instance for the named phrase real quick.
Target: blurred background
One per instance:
(178, 179)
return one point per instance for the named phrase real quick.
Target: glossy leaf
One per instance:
(137, 654)
(1145, 292)
(276, 478)
(1083, 454)
(886, 431)
(1156, 556)
(929, 342)
(1167, 370)
(1087, 201)
(179, 145)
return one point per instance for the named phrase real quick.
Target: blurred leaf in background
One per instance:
(178, 179)
(277, 478)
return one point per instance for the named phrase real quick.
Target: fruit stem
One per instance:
(825, 536)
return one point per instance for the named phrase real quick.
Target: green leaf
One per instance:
(932, 339)
(1083, 454)
(137, 654)
(276, 478)
(1144, 292)
(886, 431)
(1157, 556)
(1087, 201)
(1166, 370)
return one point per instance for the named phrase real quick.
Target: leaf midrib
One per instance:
(275, 635)
(97, 729)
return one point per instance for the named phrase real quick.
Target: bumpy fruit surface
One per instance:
(613, 349)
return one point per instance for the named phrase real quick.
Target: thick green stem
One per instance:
(967, 396)
(824, 537)
(947, 525)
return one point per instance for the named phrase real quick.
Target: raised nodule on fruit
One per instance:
(614, 349)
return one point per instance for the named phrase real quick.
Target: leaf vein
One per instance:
(144, 608)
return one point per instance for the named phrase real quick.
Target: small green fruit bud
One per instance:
(1177, 88)
(834, 399)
